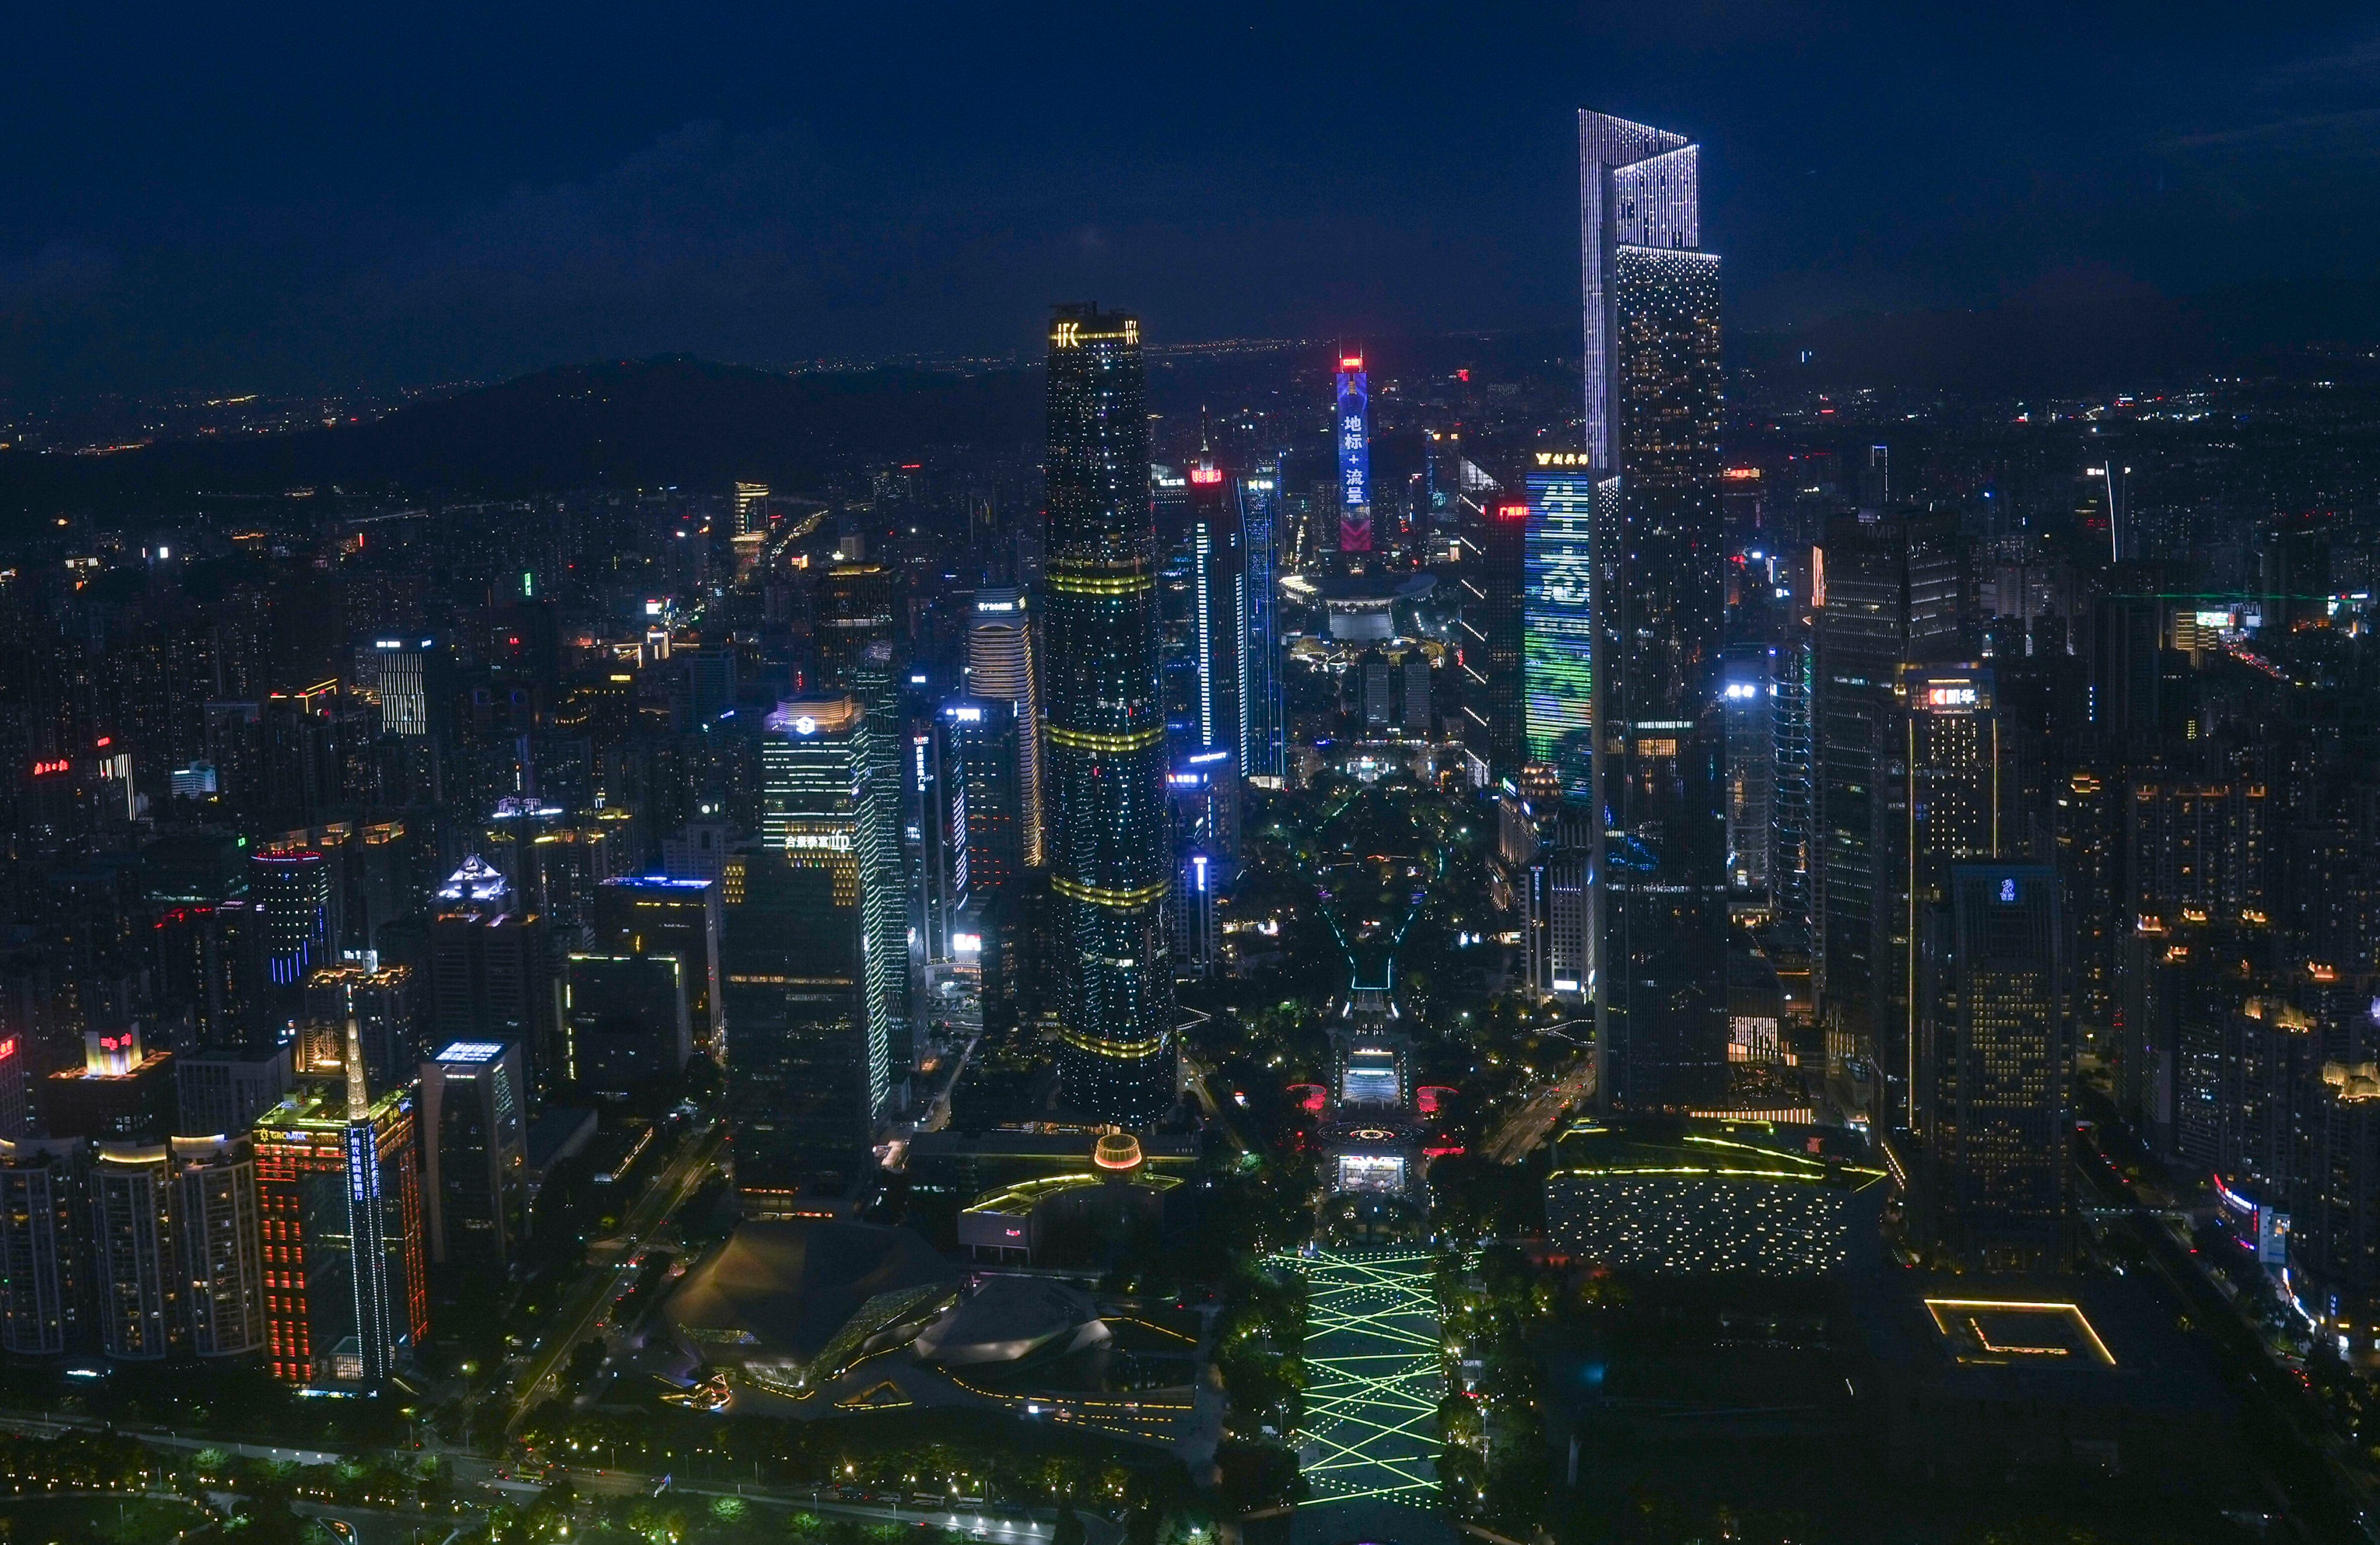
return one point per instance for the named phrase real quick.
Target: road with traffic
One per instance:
(680, 1179)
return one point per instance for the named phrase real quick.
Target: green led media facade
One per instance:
(1557, 618)
(1109, 866)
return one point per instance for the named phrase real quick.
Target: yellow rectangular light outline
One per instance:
(2022, 1306)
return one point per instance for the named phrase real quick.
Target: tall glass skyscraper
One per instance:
(1995, 1067)
(1651, 438)
(825, 810)
(1106, 773)
(999, 663)
(1215, 624)
(1264, 742)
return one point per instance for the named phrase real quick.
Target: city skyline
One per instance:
(1311, 942)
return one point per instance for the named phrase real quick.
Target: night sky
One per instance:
(269, 197)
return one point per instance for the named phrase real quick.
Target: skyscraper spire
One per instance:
(359, 1093)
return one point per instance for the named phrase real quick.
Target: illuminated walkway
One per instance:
(1373, 1384)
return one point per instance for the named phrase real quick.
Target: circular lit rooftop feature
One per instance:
(1116, 1151)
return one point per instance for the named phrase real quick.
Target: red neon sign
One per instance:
(1512, 512)
(49, 769)
(1352, 362)
(1206, 473)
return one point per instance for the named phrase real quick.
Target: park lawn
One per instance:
(83, 1520)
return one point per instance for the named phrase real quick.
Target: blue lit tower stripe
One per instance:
(1106, 774)
(1558, 622)
(1354, 456)
(1261, 738)
(1215, 623)
(368, 1263)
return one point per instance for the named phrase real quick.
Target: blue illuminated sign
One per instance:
(1354, 456)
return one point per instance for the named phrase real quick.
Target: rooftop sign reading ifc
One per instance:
(1070, 335)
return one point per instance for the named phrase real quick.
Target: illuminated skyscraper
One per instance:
(1215, 624)
(1944, 810)
(1994, 1067)
(1489, 651)
(826, 802)
(854, 612)
(292, 890)
(339, 1196)
(1651, 447)
(1558, 624)
(222, 1256)
(1354, 440)
(979, 765)
(1263, 735)
(809, 991)
(1891, 597)
(1792, 798)
(1107, 858)
(136, 1275)
(751, 502)
(1748, 697)
(984, 873)
(1001, 663)
(404, 668)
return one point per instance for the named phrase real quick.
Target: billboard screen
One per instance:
(1354, 456)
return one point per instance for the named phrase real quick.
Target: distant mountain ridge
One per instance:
(2130, 341)
(647, 423)
(680, 421)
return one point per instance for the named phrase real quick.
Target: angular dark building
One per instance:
(980, 824)
(1488, 652)
(1105, 774)
(1651, 448)
(474, 1120)
(1263, 736)
(626, 1027)
(654, 914)
(1994, 1067)
(1886, 597)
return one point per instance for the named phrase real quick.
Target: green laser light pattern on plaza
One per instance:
(1372, 1353)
